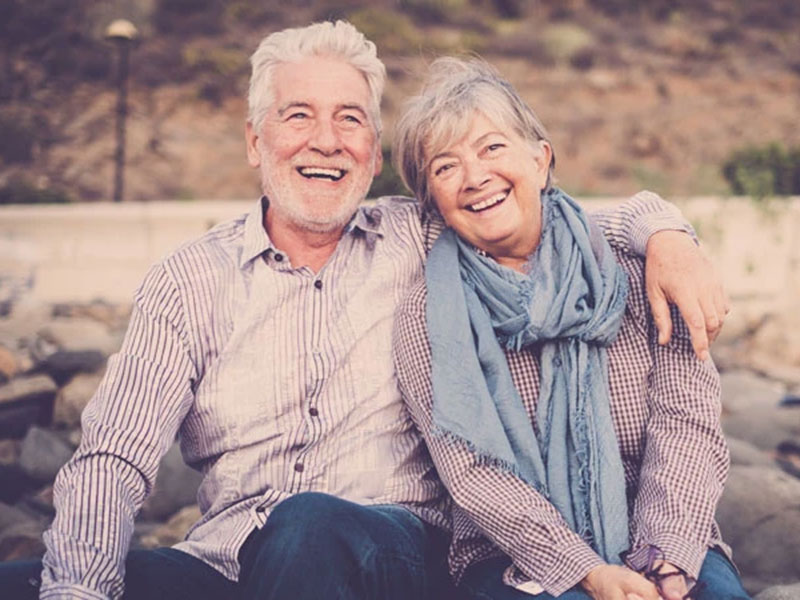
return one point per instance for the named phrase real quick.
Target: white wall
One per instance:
(85, 251)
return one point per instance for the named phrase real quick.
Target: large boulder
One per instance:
(20, 534)
(759, 515)
(176, 487)
(43, 453)
(23, 401)
(174, 530)
(73, 397)
(780, 592)
(752, 410)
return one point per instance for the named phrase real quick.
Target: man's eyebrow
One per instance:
(293, 104)
(353, 106)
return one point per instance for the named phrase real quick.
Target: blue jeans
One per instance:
(313, 546)
(484, 581)
(160, 574)
(317, 546)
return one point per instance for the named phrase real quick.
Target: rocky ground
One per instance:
(52, 358)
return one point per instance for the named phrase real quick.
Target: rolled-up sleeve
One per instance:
(128, 425)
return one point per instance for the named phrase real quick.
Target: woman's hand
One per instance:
(613, 582)
(678, 271)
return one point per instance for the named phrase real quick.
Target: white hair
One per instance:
(340, 39)
(441, 114)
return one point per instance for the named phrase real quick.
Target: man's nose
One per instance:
(325, 138)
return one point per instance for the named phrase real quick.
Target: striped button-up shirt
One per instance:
(665, 405)
(276, 379)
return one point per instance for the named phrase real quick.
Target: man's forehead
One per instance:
(320, 80)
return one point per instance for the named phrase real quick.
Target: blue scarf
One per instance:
(573, 301)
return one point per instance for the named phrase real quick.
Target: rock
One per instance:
(63, 365)
(24, 401)
(760, 518)
(9, 452)
(73, 397)
(20, 534)
(752, 411)
(80, 335)
(780, 592)
(174, 530)
(176, 487)
(43, 454)
(8, 365)
(746, 454)
(14, 483)
(743, 390)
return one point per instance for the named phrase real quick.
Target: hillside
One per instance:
(635, 94)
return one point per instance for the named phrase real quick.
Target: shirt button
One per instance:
(318, 284)
(299, 467)
(278, 257)
(313, 411)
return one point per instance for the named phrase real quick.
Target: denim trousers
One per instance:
(313, 546)
(484, 581)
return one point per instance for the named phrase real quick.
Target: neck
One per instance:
(303, 247)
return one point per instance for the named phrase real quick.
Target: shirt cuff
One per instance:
(64, 591)
(563, 572)
(677, 551)
(646, 225)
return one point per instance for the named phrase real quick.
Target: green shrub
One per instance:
(19, 190)
(388, 183)
(17, 139)
(770, 170)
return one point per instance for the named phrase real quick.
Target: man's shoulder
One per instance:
(395, 206)
(223, 238)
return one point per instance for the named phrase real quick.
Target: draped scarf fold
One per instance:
(572, 301)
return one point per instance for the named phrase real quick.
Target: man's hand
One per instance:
(677, 271)
(672, 588)
(613, 582)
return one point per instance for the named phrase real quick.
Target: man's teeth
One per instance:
(488, 203)
(321, 173)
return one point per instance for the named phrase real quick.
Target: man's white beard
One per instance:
(283, 198)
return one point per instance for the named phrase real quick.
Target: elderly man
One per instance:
(265, 347)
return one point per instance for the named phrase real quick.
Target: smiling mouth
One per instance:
(488, 203)
(321, 173)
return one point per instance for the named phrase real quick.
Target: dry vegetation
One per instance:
(635, 93)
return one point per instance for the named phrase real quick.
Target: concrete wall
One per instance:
(86, 251)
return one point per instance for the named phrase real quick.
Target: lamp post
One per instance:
(122, 33)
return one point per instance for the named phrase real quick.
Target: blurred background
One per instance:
(697, 100)
(685, 97)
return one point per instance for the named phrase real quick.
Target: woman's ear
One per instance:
(543, 157)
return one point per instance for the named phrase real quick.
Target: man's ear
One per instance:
(251, 142)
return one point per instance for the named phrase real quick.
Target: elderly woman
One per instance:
(584, 459)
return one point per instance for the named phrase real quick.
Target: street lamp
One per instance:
(122, 33)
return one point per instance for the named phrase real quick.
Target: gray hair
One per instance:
(441, 114)
(340, 40)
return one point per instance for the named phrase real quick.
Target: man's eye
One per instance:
(353, 119)
(298, 116)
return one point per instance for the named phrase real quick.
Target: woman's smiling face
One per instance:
(488, 185)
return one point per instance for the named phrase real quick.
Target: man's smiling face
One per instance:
(317, 148)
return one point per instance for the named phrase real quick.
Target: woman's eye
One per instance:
(442, 169)
(493, 147)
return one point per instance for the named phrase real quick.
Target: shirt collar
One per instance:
(368, 219)
(256, 240)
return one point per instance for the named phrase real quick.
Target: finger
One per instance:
(713, 320)
(695, 319)
(661, 316)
